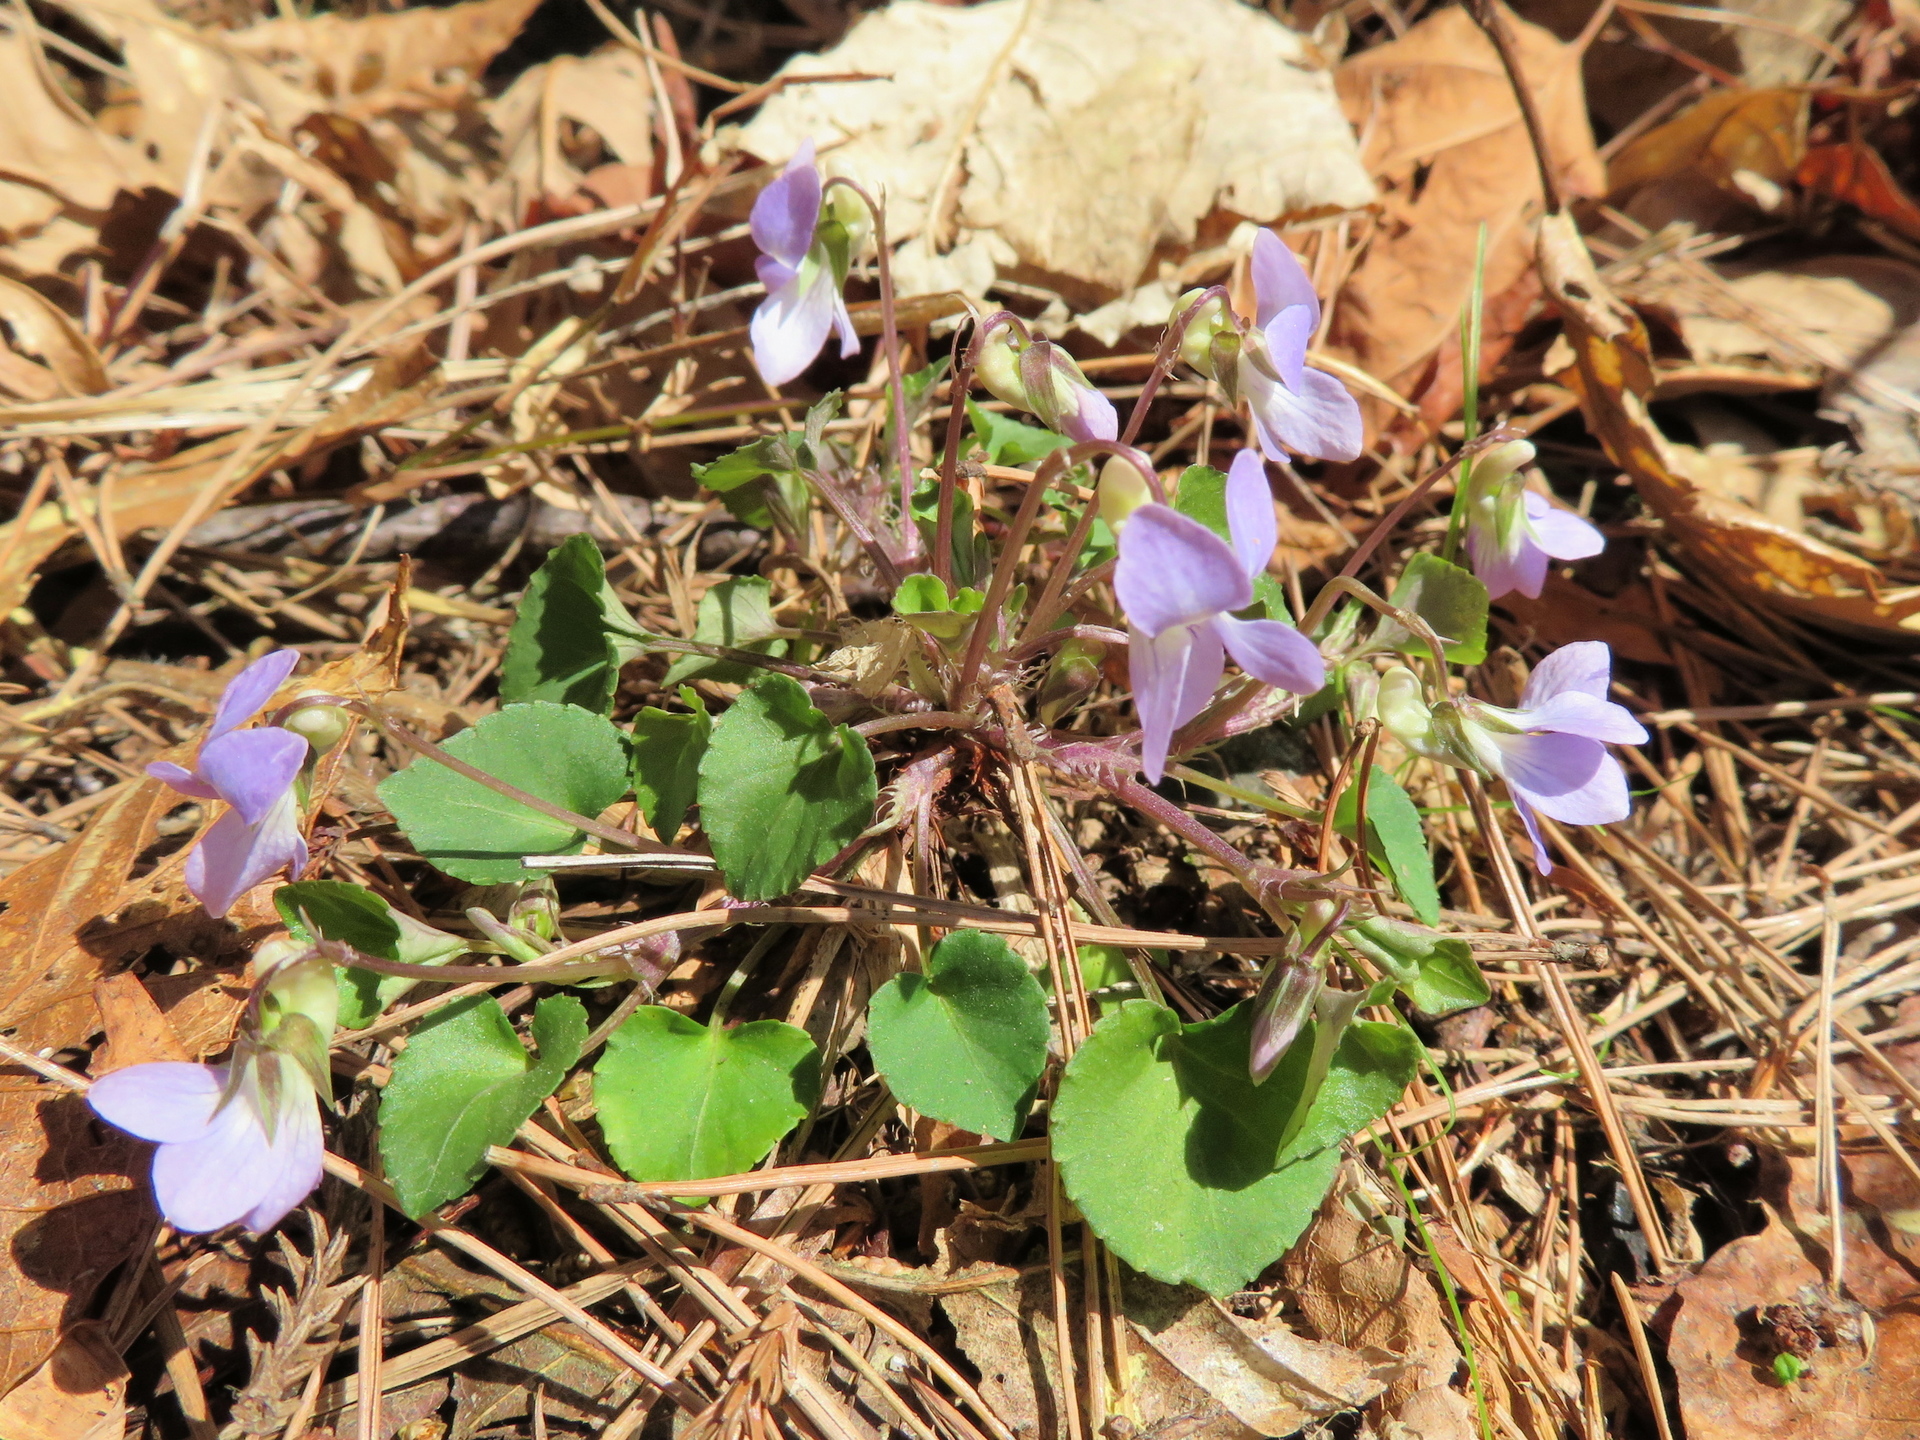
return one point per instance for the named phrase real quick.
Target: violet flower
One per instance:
(1512, 532)
(1552, 749)
(1035, 375)
(253, 771)
(238, 1142)
(1295, 408)
(1179, 584)
(803, 265)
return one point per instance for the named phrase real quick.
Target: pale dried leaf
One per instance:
(41, 328)
(608, 91)
(1110, 131)
(79, 1393)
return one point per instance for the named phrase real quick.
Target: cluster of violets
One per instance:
(1182, 586)
(241, 1142)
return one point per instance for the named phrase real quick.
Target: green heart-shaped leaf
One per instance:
(1396, 840)
(966, 1041)
(667, 750)
(465, 1082)
(570, 633)
(561, 753)
(782, 789)
(678, 1100)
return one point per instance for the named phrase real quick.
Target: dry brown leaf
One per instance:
(608, 91)
(1445, 140)
(1075, 146)
(1727, 1331)
(1613, 373)
(53, 156)
(41, 328)
(1746, 143)
(137, 1033)
(1272, 1380)
(422, 58)
(1357, 1288)
(1856, 173)
(78, 1393)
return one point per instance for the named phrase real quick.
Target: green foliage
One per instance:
(1201, 494)
(560, 753)
(1437, 974)
(737, 613)
(678, 1100)
(1451, 600)
(667, 749)
(465, 1082)
(922, 601)
(782, 789)
(1011, 442)
(334, 910)
(764, 483)
(1396, 840)
(1183, 1165)
(1788, 1367)
(570, 633)
(966, 1041)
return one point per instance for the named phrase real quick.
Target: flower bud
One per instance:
(1211, 343)
(1401, 704)
(1075, 671)
(537, 911)
(322, 726)
(1122, 490)
(997, 359)
(1061, 397)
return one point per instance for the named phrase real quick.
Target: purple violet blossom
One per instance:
(240, 1141)
(253, 771)
(1295, 408)
(1552, 749)
(236, 1143)
(1179, 584)
(802, 275)
(1512, 532)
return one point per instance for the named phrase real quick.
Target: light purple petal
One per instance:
(1250, 517)
(251, 689)
(1286, 341)
(1574, 712)
(791, 325)
(1585, 665)
(1568, 777)
(843, 326)
(297, 1150)
(233, 856)
(1273, 651)
(1174, 676)
(786, 213)
(1094, 420)
(1280, 282)
(209, 1183)
(183, 780)
(1561, 533)
(1504, 570)
(1320, 419)
(252, 769)
(1175, 571)
(168, 1100)
(1542, 861)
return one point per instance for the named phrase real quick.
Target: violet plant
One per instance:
(1513, 533)
(983, 679)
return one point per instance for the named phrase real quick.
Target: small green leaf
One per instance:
(678, 1100)
(570, 633)
(966, 1041)
(1396, 840)
(782, 789)
(1437, 974)
(334, 910)
(1202, 495)
(563, 754)
(920, 595)
(1451, 600)
(737, 613)
(1012, 442)
(1175, 1156)
(667, 750)
(465, 1082)
(1788, 1367)
(770, 455)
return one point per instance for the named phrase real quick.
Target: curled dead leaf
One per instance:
(41, 328)
(1744, 142)
(1756, 555)
(78, 1393)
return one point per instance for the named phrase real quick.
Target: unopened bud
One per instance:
(1211, 343)
(1063, 398)
(997, 359)
(537, 911)
(322, 726)
(1123, 490)
(1075, 671)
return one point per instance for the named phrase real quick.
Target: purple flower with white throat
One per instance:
(1552, 749)
(1295, 408)
(253, 772)
(238, 1142)
(1179, 584)
(803, 264)
(1513, 532)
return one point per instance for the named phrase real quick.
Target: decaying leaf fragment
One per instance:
(1445, 139)
(1755, 555)
(1070, 140)
(80, 1393)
